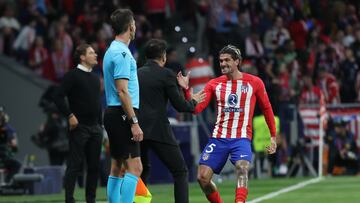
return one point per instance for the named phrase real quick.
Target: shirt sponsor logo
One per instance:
(226, 110)
(232, 100)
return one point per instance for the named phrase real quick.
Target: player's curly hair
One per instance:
(232, 50)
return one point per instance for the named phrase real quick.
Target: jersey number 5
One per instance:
(210, 148)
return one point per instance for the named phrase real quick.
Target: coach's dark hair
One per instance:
(155, 49)
(120, 20)
(232, 50)
(80, 50)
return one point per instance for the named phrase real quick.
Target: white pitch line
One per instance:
(285, 190)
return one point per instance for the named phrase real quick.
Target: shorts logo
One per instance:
(232, 100)
(243, 155)
(205, 156)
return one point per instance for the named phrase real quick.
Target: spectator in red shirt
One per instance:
(156, 10)
(329, 86)
(310, 94)
(60, 62)
(298, 31)
(39, 57)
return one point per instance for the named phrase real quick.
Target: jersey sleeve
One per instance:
(121, 65)
(208, 90)
(265, 106)
(187, 93)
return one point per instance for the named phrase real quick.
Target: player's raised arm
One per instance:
(202, 105)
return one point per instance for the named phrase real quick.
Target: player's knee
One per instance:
(242, 169)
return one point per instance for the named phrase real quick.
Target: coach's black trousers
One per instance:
(173, 159)
(85, 146)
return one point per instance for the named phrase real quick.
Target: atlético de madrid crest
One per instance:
(244, 88)
(205, 156)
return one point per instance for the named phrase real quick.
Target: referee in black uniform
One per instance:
(81, 87)
(158, 85)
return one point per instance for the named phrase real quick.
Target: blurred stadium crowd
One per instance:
(282, 41)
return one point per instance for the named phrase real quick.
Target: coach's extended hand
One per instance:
(137, 133)
(183, 81)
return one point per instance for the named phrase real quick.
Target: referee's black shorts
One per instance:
(119, 132)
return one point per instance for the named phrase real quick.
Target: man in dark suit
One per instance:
(158, 85)
(81, 87)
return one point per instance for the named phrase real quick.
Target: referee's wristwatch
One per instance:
(133, 120)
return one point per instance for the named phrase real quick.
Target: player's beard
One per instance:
(225, 70)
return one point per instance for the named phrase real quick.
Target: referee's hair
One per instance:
(120, 20)
(80, 50)
(233, 51)
(155, 49)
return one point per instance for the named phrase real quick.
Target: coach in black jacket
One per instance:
(158, 85)
(81, 87)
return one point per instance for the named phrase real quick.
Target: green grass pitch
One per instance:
(329, 190)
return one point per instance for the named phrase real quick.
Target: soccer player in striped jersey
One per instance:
(236, 94)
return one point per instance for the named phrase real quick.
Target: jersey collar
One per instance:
(83, 68)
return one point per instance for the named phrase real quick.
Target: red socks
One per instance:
(241, 194)
(214, 197)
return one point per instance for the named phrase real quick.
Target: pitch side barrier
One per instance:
(315, 123)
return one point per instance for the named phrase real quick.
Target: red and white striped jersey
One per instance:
(235, 101)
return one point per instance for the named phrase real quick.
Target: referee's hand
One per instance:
(137, 133)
